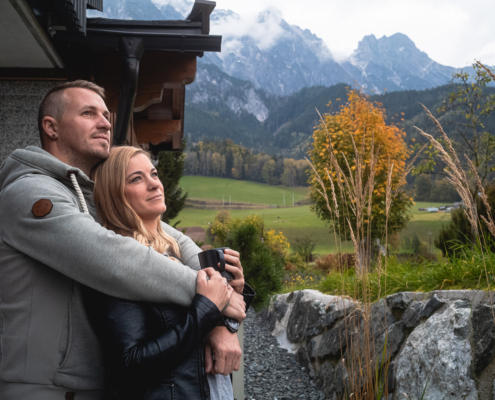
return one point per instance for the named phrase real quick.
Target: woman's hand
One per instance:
(235, 267)
(216, 288)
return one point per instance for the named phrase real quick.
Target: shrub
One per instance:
(262, 252)
(263, 267)
(458, 230)
(304, 247)
(293, 261)
(339, 262)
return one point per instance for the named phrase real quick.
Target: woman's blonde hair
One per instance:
(115, 211)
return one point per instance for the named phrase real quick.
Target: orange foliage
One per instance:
(363, 120)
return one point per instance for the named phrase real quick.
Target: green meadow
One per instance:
(203, 187)
(292, 221)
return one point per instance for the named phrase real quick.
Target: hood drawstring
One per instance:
(79, 192)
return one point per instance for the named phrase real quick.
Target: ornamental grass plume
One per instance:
(455, 173)
(490, 224)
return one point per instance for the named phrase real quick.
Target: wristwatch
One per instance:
(231, 324)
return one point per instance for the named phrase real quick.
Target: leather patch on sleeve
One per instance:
(42, 207)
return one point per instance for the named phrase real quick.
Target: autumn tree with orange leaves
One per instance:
(365, 122)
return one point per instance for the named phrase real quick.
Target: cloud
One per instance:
(183, 6)
(264, 28)
(452, 32)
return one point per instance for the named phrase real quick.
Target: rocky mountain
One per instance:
(281, 59)
(394, 63)
(273, 55)
(213, 90)
(263, 88)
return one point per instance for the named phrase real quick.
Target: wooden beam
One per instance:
(157, 131)
(177, 103)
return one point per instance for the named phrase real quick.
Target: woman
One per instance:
(152, 351)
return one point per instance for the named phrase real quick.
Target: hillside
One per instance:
(289, 125)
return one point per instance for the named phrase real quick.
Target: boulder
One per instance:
(304, 320)
(483, 337)
(337, 310)
(333, 342)
(431, 306)
(325, 380)
(302, 358)
(313, 345)
(280, 308)
(411, 316)
(437, 357)
(312, 313)
(401, 300)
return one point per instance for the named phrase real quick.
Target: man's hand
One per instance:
(235, 267)
(224, 346)
(236, 308)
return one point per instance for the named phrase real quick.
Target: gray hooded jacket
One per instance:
(46, 340)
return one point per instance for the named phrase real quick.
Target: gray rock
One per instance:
(395, 337)
(325, 380)
(305, 319)
(384, 330)
(462, 304)
(334, 341)
(411, 316)
(433, 304)
(334, 312)
(280, 308)
(341, 382)
(483, 337)
(391, 377)
(435, 355)
(381, 317)
(400, 300)
(271, 319)
(302, 357)
(312, 346)
(293, 296)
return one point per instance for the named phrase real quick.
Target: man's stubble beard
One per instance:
(87, 160)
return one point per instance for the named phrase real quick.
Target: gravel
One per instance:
(272, 373)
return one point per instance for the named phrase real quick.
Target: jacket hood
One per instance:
(33, 160)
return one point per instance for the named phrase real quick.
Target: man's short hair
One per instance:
(53, 104)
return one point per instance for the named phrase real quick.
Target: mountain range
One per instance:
(281, 58)
(262, 89)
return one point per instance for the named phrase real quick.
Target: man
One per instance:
(50, 244)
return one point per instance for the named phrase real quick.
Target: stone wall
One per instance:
(19, 102)
(443, 340)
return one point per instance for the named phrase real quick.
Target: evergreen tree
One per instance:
(170, 169)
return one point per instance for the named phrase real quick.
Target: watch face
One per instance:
(232, 324)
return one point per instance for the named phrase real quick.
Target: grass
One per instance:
(422, 222)
(465, 271)
(301, 220)
(202, 187)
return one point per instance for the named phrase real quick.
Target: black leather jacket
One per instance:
(153, 351)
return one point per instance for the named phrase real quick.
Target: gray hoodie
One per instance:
(46, 340)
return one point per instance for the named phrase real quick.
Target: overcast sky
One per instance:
(451, 32)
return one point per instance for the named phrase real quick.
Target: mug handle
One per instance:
(221, 260)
